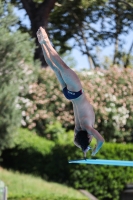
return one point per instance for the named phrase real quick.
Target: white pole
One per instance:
(3, 191)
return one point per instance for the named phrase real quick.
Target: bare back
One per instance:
(83, 112)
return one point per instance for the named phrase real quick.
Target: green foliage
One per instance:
(16, 51)
(58, 134)
(16, 72)
(29, 149)
(26, 139)
(9, 117)
(43, 158)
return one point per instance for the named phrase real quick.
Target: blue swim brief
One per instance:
(71, 95)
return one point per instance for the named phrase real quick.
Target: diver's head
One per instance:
(83, 140)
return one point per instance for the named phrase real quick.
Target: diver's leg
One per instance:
(53, 67)
(69, 76)
(60, 79)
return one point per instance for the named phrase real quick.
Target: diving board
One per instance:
(103, 162)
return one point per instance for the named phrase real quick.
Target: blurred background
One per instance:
(95, 40)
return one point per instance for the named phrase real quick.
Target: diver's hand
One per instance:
(42, 35)
(94, 151)
(97, 147)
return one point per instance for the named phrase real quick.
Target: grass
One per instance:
(22, 186)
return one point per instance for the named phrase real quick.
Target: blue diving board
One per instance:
(103, 162)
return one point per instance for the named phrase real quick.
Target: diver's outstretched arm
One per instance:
(51, 64)
(54, 56)
(97, 136)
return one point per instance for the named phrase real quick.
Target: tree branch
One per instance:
(126, 4)
(128, 56)
(90, 58)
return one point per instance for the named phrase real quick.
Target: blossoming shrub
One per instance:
(111, 95)
(45, 104)
(109, 91)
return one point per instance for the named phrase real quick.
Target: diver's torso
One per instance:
(85, 111)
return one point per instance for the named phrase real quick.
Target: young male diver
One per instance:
(71, 86)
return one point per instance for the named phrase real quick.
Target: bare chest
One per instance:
(84, 113)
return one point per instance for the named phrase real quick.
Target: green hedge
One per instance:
(42, 157)
(105, 182)
(28, 152)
